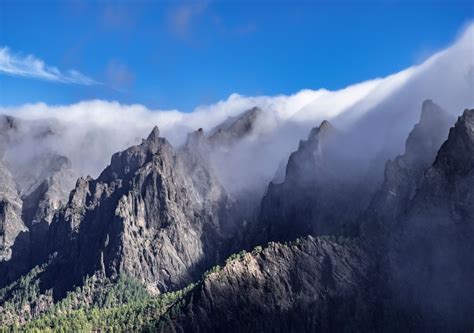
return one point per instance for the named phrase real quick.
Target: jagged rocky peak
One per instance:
(317, 180)
(427, 136)
(50, 191)
(154, 136)
(457, 154)
(325, 128)
(318, 134)
(403, 175)
(303, 163)
(434, 261)
(195, 154)
(156, 214)
(47, 164)
(196, 139)
(443, 196)
(237, 127)
(129, 160)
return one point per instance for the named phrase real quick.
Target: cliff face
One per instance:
(11, 223)
(430, 252)
(404, 174)
(235, 128)
(48, 190)
(321, 192)
(314, 284)
(161, 216)
(413, 273)
(154, 214)
(33, 186)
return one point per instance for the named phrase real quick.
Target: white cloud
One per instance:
(378, 112)
(32, 67)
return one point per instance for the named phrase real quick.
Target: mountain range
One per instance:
(323, 211)
(331, 245)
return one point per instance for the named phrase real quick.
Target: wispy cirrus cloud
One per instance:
(31, 67)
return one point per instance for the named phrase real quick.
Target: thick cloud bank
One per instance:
(379, 113)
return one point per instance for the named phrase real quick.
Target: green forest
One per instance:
(99, 305)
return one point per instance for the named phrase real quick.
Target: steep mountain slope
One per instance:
(418, 278)
(321, 192)
(11, 223)
(34, 185)
(42, 178)
(403, 175)
(154, 214)
(235, 128)
(430, 253)
(309, 285)
(161, 217)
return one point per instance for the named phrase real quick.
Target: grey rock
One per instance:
(154, 214)
(320, 194)
(430, 252)
(415, 274)
(11, 223)
(404, 174)
(315, 284)
(235, 128)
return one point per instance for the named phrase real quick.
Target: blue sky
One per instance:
(183, 54)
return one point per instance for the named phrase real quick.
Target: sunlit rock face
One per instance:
(311, 285)
(154, 213)
(354, 252)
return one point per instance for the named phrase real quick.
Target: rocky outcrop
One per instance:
(25, 220)
(7, 125)
(153, 214)
(430, 262)
(414, 274)
(314, 284)
(320, 193)
(42, 179)
(49, 190)
(11, 223)
(404, 174)
(162, 216)
(235, 128)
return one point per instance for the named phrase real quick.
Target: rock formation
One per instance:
(11, 223)
(347, 259)
(418, 278)
(320, 194)
(314, 284)
(430, 262)
(153, 213)
(403, 175)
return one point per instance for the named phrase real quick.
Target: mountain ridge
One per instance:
(159, 215)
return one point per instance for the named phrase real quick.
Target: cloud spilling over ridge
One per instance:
(32, 67)
(378, 113)
(91, 131)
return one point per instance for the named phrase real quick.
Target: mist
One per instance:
(377, 115)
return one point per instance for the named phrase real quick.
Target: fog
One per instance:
(377, 115)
